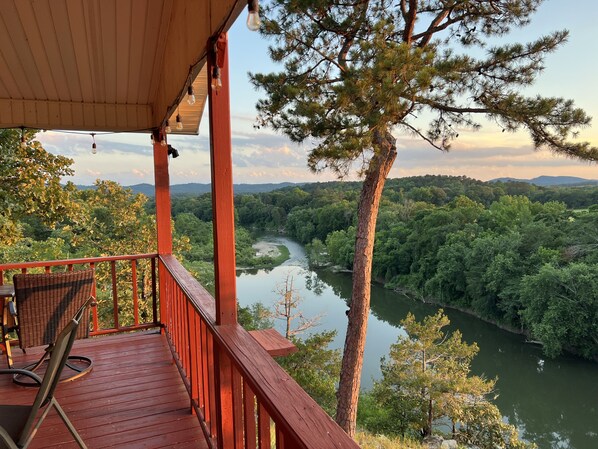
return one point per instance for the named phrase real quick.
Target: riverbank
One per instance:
(268, 254)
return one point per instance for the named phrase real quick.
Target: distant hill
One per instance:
(198, 189)
(546, 181)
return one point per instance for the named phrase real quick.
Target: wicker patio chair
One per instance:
(44, 304)
(19, 423)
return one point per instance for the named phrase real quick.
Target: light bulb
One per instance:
(253, 18)
(23, 144)
(94, 148)
(179, 122)
(253, 21)
(163, 142)
(216, 80)
(190, 95)
(167, 128)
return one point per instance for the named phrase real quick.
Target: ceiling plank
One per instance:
(10, 54)
(43, 16)
(38, 51)
(79, 38)
(139, 16)
(61, 21)
(74, 115)
(108, 11)
(14, 27)
(124, 25)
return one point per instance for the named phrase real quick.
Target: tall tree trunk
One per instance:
(428, 431)
(367, 215)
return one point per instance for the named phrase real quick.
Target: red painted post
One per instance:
(222, 187)
(163, 229)
(162, 186)
(223, 219)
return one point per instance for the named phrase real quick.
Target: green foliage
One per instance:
(426, 377)
(341, 247)
(471, 251)
(31, 184)
(484, 427)
(254, 317)
(562, 308)
(317, 254)
(426, 381)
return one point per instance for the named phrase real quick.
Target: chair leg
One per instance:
(68, 423)
(6, 346)
(8, 441)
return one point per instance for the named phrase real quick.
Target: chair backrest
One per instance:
(58, 357)
(45, 303)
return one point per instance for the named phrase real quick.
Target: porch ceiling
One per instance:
(106, 65)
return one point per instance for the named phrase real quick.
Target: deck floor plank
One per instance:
(132, 398)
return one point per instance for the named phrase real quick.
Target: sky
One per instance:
(263, 156)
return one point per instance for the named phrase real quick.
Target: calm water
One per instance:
(553, 402)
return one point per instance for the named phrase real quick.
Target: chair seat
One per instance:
(13, 418)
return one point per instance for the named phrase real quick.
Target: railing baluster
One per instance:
(249, 421)
(154, 292)
(212, 386)
(237, 385)
(114, 294)
(94, 310)
(135, 295)
(205, 375)
(263, 427)
(193, 357)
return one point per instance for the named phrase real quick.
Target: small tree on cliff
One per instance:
(357, 72)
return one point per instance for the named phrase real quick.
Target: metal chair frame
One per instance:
(44, 400)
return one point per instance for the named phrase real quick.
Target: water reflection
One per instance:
(552, 402)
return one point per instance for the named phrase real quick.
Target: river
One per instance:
(553, 402)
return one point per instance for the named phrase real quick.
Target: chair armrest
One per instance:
(22, 372)
(4, 436)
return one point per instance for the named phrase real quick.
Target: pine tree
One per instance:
(357, 73)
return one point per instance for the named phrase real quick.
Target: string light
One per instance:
(94, 147)
(179, 122)
(190, 95)
(253, 18)
(167, 128)
(163, 141)
(216, 79)
(23, 144)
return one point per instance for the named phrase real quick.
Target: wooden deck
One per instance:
(133, 398)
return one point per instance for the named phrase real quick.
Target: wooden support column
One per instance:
(224, 234)
(163, 227)
(222, 187)
(162, 185)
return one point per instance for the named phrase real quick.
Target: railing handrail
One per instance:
(80, 261)
(288, 404)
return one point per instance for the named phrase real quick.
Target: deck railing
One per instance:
(242, 397)
(125, 288)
